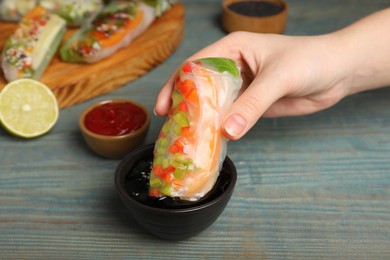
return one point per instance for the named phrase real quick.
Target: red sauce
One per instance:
(115, 118)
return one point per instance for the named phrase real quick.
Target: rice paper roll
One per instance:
(119, 23)
(29, 50)
(74, 12)
(13, 10)
(160, 6)
(191, 148)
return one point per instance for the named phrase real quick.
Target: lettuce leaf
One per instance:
(220, 65)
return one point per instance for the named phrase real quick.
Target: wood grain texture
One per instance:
(310, 187)
(75, 83)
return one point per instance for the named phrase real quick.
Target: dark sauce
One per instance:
(137, 186)
(256, 8)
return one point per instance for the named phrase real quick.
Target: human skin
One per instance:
(298, 75)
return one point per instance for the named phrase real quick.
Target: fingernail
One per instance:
(154, 111)
(235, 125)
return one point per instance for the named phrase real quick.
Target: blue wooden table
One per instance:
(311, 187)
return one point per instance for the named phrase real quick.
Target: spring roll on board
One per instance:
(13, 10)
(74, 12)
(29, 50)
(191, 148)
(112, 29)
(160, 6)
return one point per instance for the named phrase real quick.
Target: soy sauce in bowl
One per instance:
(169, 218)
(256, 8)
(137, 184)
(259, 16)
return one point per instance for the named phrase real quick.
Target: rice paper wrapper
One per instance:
(30, 49)
(13, 10)
(191, 148)
(76, 13)
(114, 28)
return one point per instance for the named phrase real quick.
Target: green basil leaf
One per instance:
(221, 65)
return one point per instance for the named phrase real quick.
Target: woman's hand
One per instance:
(282, 76)
(289, 75)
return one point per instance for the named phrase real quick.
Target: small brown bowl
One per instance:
(114, 146)
(260, 16)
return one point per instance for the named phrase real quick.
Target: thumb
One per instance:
(164, 101)
(249, 107)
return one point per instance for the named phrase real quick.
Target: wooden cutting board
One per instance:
(75, 83)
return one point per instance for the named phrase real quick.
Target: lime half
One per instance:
(28, 108)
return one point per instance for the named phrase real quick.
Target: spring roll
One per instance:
(28, 51)
(112, 29)
(13, 10)
(191, 148)
(74, 12)
(161, 6)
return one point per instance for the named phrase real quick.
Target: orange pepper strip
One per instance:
(177, 184)
(158, 170)
(187, 68)
(183, 106)
(167, 178)
(186, 131)
(169, 169)
(185, 87)
(35, 12)
(154, 192)
(192, 97)
(119, 35)
(177, 146)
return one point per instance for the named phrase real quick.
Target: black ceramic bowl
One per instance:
(170, 219)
